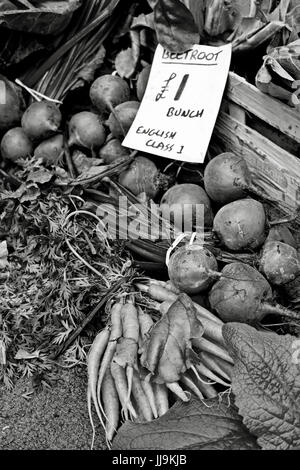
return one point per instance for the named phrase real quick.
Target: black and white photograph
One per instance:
(149, 229)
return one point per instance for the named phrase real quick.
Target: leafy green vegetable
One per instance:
(51, 17)
(50, 290)
(266, 384)
(167, 352)
(175, 27)
(195, 425)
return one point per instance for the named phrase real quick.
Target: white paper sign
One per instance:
(178, 113)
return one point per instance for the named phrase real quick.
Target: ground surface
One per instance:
(55, 419)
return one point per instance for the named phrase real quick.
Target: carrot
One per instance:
(131, 328)
(143, 405)
(212, 331)
(167, 285)
(191, 385)
(161, 398)
(111, 405)
(162, 294)
(207, 389)
(203, 370)
(93, 361)
(115, 333)
(119, 376)
(149, 392)
(216, 364)
(116, 321)
(177, 390)
(170, 286)
(145, 322)
(214, 349)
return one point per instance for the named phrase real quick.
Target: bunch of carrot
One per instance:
(118, 384)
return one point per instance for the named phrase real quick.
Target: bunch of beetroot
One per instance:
(39, 135)
(41, 131)
(236, 291)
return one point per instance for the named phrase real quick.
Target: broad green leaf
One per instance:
(197, 425)
(45, 17)
(266, 384)
(174, 25)
(167, 352)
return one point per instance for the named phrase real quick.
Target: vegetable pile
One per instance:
(169, 326)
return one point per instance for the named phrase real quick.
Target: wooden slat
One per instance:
(274, 112)
(274, 170)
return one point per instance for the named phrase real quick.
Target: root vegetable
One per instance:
(83, 163)
(244, 295)
(217, 364)
(149, 392)
(111, 405)
(142, 176)
(11, 105)
(191, 268)
(161, 294)
(226, 177)
(161, 398)
(178, 391)
(279, 263)
(209, 362)
(119, 376)
(141, 400)
(183, 201)
(142, 82)
(241, 224)
(51, 150)
(41, 120)
(145, 323)
(112, 151)
(291, 291)
(93, 363)
(206, 388)
(127, 348)
(217, 351)
(86, 130)
(115, 334)
(207, 372)
(15, 145)
(109, 91)
(187, 381)
(280, 233)
(122, 117)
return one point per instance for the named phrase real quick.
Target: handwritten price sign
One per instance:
(178, 113)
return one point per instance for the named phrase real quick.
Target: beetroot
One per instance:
(122, 117)
(280, 233)
(11, 104)
(15, 144)
(226, 177)
(108, 91)
(191, 267)
(86, 130)
(183, 194)
(279, 262)
(113, 150)
(41, 120)
(241, 224)
(242, 294)
(142, 176)
(50, 150)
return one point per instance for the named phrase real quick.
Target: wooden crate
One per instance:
(266, 132)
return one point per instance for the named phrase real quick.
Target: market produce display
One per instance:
(179, 330)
